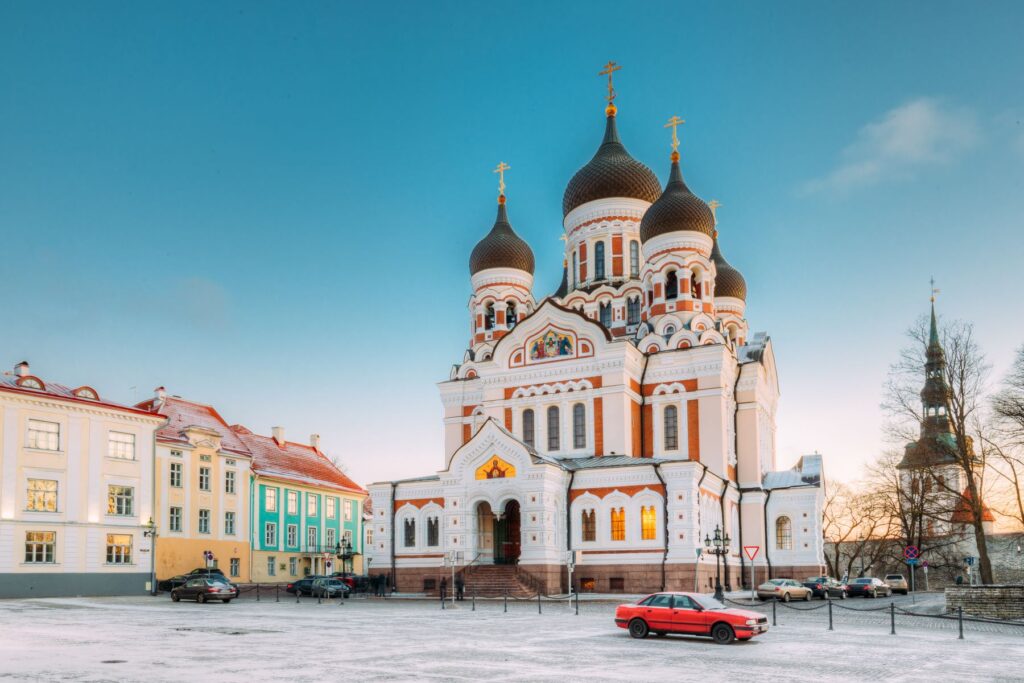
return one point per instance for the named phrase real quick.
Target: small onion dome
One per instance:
(502, 248)
(677, 210)
(611, 173)
(728, 281)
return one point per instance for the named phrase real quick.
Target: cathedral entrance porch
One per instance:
(498, 536)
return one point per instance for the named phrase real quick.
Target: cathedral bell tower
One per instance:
(501, 271)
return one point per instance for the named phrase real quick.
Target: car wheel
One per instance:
(807, 596)
(785, 597)
(201, 598)
(175, 598)
(842, 595)
(638, 628)
(722, 634)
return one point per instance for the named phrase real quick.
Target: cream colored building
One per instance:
(76, 474)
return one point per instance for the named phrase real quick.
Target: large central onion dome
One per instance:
(501, 248)
(677, 210)
(611, 173)
(728, 281)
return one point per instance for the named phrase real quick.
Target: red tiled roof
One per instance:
(295, 462)
(964, 513)
(10, 384)
(182, 414)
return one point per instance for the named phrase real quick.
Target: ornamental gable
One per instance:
(552, 334)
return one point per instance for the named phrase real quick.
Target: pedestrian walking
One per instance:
(460, 588)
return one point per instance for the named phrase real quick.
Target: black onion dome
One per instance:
(728, 281)
(501, 248)
(677, 210)
(611, 173)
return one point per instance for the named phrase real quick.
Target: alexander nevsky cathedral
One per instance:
(614, 427)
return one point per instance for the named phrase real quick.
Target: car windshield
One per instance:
(894, 577)
(708, 602)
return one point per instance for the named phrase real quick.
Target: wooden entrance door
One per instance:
(507, 544)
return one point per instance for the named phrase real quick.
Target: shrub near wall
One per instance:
(994, 602)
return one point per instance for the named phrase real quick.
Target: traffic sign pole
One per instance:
(751, 551)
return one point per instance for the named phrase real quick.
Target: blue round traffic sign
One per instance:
(911, 552)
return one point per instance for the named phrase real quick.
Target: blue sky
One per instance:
(270, 206)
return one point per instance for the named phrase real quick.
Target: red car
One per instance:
(690, 613)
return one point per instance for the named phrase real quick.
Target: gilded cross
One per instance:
(713, 205)
(610, 68)
(674, 123)
(500, 170)
(934, 290)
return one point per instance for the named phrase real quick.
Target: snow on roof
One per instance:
(182, 414)
(83, 394)
(806, 472)
(294, 462)
(598, 461)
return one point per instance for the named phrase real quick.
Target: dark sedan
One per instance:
(202, 589)
(304, 586)
(869, 587)
(331, 588)
(820, 585)
(181, 579)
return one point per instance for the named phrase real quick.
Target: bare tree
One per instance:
(1008, 460)
(857, 523)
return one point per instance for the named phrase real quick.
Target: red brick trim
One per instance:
(630, 491)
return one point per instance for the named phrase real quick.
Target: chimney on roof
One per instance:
(21, 369)
(161, 393)
(314, 441)
(278, 433)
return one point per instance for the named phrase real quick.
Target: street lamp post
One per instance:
(149, 531)
(719, 547)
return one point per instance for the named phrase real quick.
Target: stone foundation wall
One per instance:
(994, 602)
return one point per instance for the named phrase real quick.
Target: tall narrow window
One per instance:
(489, 317)
(589, 525)
(671, 285)
(618, 524)
(271, 566)
(204, 521)
(695, 288)
(510, 314)
(605, 314)
(575, 269)
(331, 539)
(634, 259)
(229, 523)
(599, 261)
(410, 533)
(633, 310)
(671, 428)
(648, 523)
(292, 503)
(176, 475)
(579, 426)
(553, 429)
(204, 478)
(433, 532)
(291, 536)
(783, 533)
(175, 519)
(270, 534)
(312, 502)
(229, 481)
(270, 500)
(311, 538)
(235, 565)
(528, 430)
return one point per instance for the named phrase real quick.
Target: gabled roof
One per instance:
(964, 512)
(182, 414)
(294, 462)
(13, 384)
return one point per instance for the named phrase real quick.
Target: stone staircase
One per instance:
(493, 580)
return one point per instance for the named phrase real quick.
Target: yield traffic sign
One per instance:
(751, 551)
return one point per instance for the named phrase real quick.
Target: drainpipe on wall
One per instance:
(767, 542)
(721, 504)
(696, 561)
(568, 522)
(664, 515)
(253, 523)
(394, 576)
(736, 450)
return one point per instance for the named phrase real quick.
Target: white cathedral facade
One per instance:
(618, 422)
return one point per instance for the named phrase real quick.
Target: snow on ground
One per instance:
(153, 639)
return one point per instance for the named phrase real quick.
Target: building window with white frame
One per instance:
(40, 547)
(618, 518)
(579, 426)
(410, 533)
(330, 538)
(311, 504)
(121, 445)
(292, 537)
(599, 261)
(347, 536)
(634, 259)
(270, 500)
(43, 436)
(783, 534)
(528, 427)
(553, 429)
(235, 566)
(588, 525)
(311, 538)
(229, 481)
(433, 531)
(204, 478)
(175, 475)
(332, 507)
(174, 519)
(369, 535)
(120, 500)
(119, 549)
(270, 534)
(229, 523)
(293, 566)
(271, 566)
(349, 507)
(204, 521)
(671, 428)
(633, 310)
(648, 523)
(42, 495)
(604, 313)
(293, 502)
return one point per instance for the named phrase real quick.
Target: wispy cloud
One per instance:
(923, 132)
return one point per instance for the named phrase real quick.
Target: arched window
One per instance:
(553, 441)
(650, 298)
(410, 533)
(783, 533)
(588, 525)
(510, 314)
(618, 524)
(433, 534)
(671, 285)
(579, 426)
(695, 288)
(633, 310)
(599, 261)
(528, 432)
(634, 259)
(671, 428)
(605, 314)
(489, 317)
(575, 269)
(648, 523)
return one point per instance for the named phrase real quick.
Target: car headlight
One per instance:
(751, 622)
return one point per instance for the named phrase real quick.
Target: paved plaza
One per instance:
(153, 639)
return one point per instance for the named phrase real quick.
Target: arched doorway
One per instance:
(506, 535)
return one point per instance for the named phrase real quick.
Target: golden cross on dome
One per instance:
(500, 170)
(610, 68)
(713, 205)
(674, 123)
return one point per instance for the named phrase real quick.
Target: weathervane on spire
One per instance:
(610, 68)
(500, 170)
(713, 205)
(934, 290)
(674, 123)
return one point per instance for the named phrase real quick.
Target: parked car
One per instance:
(359, 583)
(689, 613)
(898, 583)
(205, 571)
(304, 586)
(784, 590)
(181, 579)
(202, 588)
(331, 588)
(869, 587)
(822, 585)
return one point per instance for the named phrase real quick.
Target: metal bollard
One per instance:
(577, 604)
(441, 593)
(472, 598)
(257, 592)
(277, 592)
(297, 593)
(829, 611)
(506, 601)
(319, 594)
(960, 620)
(774, 622)
(538, 602)
(892, 618)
